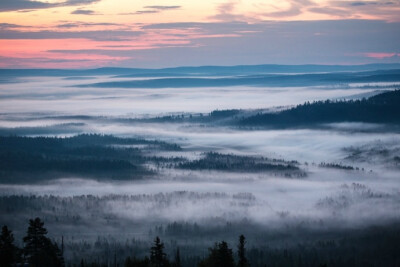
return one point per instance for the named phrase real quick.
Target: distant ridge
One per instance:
(199, 70)
(254, 79)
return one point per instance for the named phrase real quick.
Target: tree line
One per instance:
(40, 251)
(378, 246)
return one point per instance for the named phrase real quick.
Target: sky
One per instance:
(168, 33)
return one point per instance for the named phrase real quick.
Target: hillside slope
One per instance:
(382, 108)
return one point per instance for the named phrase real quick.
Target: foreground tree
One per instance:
(157, 256)
(8, 251)
(220, 256)
(38, 249)
(243, 262)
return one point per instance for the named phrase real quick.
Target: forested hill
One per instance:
(35, 159)
(382, 108)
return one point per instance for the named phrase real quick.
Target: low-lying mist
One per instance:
(333, 198)
(127, 164)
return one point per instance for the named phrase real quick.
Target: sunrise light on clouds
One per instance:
(85, 33)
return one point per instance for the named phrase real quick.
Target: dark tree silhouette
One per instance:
(157, 256)
(243, 262)
(39, 250)
(220, 256)
(8, 251)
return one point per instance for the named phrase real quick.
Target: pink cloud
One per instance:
(75, 52)
(381, 55)
(37, 53)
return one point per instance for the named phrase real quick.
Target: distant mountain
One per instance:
(197, 71)
(381, 108)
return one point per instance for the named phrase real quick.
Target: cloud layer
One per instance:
(12, 5)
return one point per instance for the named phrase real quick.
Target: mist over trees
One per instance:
(240, 187)
(37, 159)
(235, 163)
(90, 155)
(382, 108)
(376, 246)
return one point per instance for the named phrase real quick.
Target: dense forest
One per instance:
(382, 108)
(38, 158)
(236, 163)
(376, 246)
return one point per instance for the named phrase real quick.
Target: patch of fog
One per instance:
(57, 95)
(385, 152)
(357, 126)
(335, 197)
(366, 94)
(373, 84)
(303, 144)
(311, 145)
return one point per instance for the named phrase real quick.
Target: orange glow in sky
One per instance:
(87, 31)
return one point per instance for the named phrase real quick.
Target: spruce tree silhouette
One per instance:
(38, 249)
(8, 251)
(220, 256)
(243, 262)
(157, 256)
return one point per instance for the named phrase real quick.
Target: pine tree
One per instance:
(220, 256)
(8, 251)
(243, 262)
(157, 256)
(39, 250)
(36, 239)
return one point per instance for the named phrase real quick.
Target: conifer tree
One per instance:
(38, 249)
(8, 251)
(243, 262)
(220, 256)
(157, 256)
